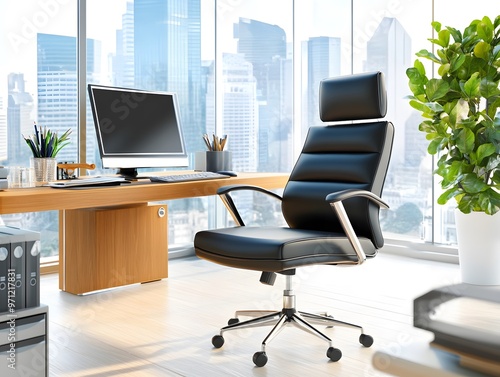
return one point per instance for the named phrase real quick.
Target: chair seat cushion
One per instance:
(275, 249)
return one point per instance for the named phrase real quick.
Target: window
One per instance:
(37, 84)
(249, 69)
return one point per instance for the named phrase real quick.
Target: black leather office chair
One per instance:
(331, 204)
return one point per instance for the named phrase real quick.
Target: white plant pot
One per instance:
(478, 237)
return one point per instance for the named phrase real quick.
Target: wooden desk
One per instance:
(38, 199)
(87, 256)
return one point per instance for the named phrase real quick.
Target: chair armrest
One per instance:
(346, 194)
(335, 200)
(226, 189)
(224, 194)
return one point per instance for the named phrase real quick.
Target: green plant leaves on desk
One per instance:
(46, 143)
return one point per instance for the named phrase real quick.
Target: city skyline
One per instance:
(254, 84)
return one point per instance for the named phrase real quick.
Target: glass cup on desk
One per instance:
(21, 177)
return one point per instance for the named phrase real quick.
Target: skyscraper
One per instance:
(389, 50)
(323, 61)
(240, 111)
(167, 57)
(57, 86)
(19, 121)
(3, 132)
(123, 61)
(260, 44)
(264, 46)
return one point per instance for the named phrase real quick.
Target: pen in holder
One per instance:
(217, 159)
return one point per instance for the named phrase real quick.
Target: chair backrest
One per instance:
(343, 156)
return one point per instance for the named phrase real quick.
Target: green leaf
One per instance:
(426, 126)
(482, 50)
(465, 140)
(496, 54)
(444, 37)
(456, 34)
(465, 204)
(472, 184)
(451, 172)
(492, 108)
(417, 80)
(436, 89)
(484, 150)
(419, 66)
(447, 195)
(436, 25)
(488, 88)
(443, 69)
(434, 145)
(496, 177)
(488, 201)
(428, 55)
(471, 86)
(457, 61)
(435, 107)
(493, 162)
(485, 30)
(459, 112)
(417, 105)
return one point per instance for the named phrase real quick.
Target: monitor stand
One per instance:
(130, 174)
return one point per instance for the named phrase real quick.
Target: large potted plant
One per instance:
(459, 108)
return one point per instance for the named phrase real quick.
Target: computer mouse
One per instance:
(228, 172)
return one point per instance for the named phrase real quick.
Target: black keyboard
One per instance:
(196, 176)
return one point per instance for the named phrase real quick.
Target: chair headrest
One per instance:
(353, 97)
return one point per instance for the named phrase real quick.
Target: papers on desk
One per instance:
(88, 182)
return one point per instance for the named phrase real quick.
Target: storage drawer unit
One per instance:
(24, 343)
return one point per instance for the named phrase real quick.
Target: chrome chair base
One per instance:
(287, 316)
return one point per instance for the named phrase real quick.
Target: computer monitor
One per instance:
(137, 129)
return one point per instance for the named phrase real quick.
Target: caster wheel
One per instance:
(218, 341)
(233, 321)
(366, 340)
(260, 358)
(334, 354)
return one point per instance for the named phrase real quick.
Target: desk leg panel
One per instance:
(112, 246)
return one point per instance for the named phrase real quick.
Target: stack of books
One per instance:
(465, 320)
(4, 172)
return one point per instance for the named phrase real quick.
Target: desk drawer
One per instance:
(22, 329)
(29, 359)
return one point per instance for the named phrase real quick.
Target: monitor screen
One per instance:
(137, 128)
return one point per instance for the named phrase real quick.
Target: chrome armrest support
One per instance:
(224, 194)
(335, 200)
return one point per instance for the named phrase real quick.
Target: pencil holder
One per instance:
(218, 161)
(44, 169)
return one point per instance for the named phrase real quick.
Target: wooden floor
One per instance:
(165, 328)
